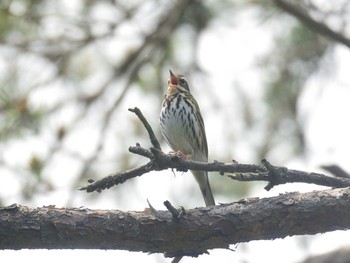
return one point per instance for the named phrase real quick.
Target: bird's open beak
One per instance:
(173, 80)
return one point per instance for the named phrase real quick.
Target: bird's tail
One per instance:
(203, 181)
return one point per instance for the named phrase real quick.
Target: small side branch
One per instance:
(117, 178)
(148, 127)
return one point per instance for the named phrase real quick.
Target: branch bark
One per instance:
(241, 172)
(191, 234)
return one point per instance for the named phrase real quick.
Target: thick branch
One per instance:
(193, 233)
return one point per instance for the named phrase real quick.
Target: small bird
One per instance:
(183, 129)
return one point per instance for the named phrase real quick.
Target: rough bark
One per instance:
(196, 231)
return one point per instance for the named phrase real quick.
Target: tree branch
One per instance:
(148, 127)
(314, 25)
(191, 234)
(242, 172)
(282, 175)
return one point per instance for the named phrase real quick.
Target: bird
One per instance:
(183, 129)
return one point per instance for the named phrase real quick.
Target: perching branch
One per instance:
(242, 172)
(191, 234)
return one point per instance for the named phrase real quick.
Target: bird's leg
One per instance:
(180, 155)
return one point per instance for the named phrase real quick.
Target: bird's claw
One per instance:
(180, 155)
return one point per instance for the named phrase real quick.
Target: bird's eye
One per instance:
(182, 82)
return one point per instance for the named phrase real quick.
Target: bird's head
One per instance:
(177, 83)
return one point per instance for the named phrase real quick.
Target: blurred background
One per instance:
(268, 87)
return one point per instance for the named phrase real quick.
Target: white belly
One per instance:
(179, 127)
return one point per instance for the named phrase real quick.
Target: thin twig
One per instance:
(148, 127)
(174, 212)
(141, 151)
(273, 175)
(117, 178)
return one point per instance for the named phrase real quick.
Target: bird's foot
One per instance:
(180, 155)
